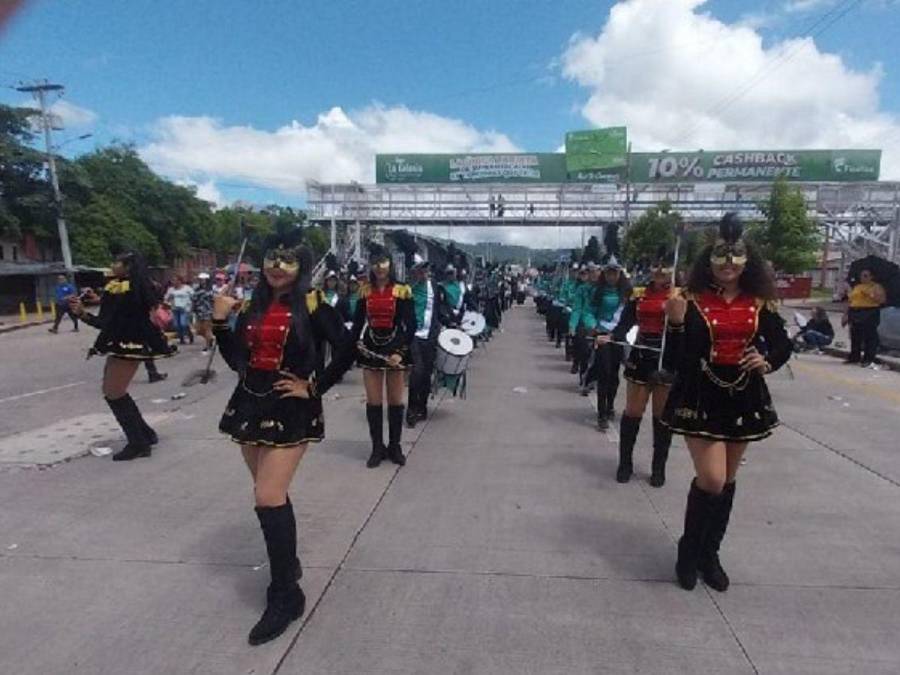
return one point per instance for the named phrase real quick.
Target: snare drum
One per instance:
(473, 324)
(454, 349)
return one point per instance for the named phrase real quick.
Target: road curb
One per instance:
(19, 326)
(884, 361)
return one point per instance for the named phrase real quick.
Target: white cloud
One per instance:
(207, 191)
(339, 147)
(732, 91)
(72, 115)
(796, 6)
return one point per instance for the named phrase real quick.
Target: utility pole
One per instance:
(39, 91)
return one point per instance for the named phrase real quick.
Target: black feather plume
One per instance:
(730, 227)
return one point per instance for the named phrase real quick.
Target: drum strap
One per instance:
(425, 330)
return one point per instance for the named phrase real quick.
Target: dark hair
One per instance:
(392, 275)
(264, 295)
(623, 285)
(755, 280)
(139, 278)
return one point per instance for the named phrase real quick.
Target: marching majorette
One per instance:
(276, 408)
(384, 328)
(726, 335)
(582, 320)
(432, 311)
(127, 338)
(643, 375)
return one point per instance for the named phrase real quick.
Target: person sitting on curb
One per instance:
(816, 334)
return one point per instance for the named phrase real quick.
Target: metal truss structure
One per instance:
(857, 218)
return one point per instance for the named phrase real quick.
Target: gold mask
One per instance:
(724, 253)
(283, 259)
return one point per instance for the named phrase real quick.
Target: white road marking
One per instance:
(41, 391)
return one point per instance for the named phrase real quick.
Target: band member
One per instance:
(612, 292)
(330, 288)
(726, 335)
(127, 338)
(565, 298)
(384, 328)
(432, 310)
(582, 320)
(276, 408)
(455, 292)
(643, 376)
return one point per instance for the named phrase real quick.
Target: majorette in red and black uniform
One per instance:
(648, 312)
(385, 324)
(712, 397)
(283, 338)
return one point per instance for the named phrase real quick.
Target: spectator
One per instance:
(817, 333)
(864, 314)
(179, 299)
(63, 291)
(203, 303)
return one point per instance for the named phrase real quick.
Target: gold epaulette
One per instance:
(402, 292)
(313, 299)
(245, 307)
(364, 290)
(770, 305)
(117, 286)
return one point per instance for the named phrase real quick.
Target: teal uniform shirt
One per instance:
(609, 308)
(454, 293)
(583, 310)
(420, 300)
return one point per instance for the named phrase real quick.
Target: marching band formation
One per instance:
(697, 352)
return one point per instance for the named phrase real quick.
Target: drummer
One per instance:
(432, 311)
(455, 292)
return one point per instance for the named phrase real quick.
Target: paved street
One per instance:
(504, 546)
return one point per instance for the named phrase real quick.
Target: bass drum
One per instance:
(473, 324)
(454, 349)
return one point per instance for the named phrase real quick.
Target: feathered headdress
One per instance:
(289, 241)
(730, 227)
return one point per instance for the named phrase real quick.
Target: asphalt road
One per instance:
(504, 545)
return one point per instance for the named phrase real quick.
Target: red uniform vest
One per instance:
(651, 312)
(731, 325)
(266, 339)
(381, 307)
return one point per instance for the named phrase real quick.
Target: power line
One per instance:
(830, 18)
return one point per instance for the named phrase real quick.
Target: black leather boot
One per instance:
(285, 601)
(628, 431)
(395, 433)
(298, 568)
(709, 565)
(128, 417)
(152, 438)
(375, 417)
(662, 439)
(696, 521)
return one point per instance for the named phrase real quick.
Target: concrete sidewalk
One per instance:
(504, 545)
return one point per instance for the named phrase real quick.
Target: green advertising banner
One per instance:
(737, 166)
(645, 167)
(471, 168)
(596, 149)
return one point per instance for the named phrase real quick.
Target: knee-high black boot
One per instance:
(662, 439)
(628, 431)
(395, 433)
(709, 565)
(152, 438)
(298, 568)
(285, 601)
(128, 417)
(697, 516)
(375, 417)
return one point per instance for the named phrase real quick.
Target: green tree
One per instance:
(787, 237)
(655, 228)
(102, 229)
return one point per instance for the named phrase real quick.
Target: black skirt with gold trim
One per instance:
(720, 403)
(257, 415)
(378, 345)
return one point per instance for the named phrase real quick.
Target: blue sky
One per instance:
(498, 66)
